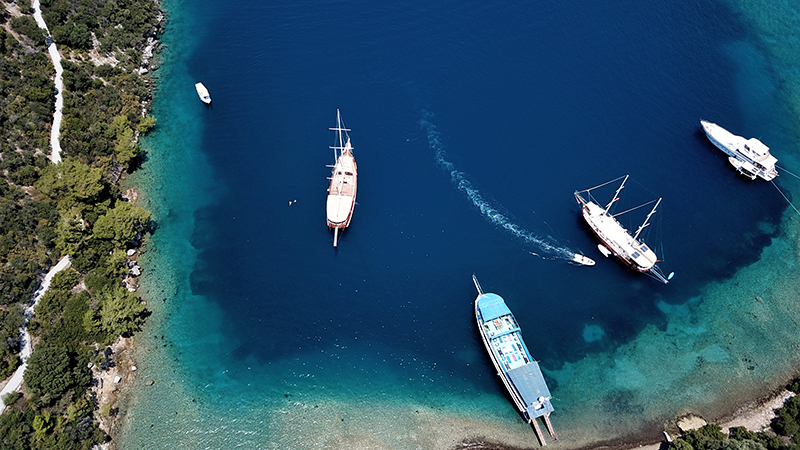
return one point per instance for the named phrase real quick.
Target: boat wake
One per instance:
(546, 246)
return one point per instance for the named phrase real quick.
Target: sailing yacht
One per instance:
(615, 239)
(750, 157)
(342, 191)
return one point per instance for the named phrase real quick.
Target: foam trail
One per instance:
(546, 245)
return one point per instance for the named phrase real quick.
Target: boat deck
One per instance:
(343, 184)
(752, 154)
(611, 232)
(342, 191)
(521, 375)
(504, 336)
(503, 339)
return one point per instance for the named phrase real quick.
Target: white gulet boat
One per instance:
(615, 238)
(750, 157)
(342, 191)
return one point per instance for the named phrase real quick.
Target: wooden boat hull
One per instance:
(342, 192)
(517, 369)
(344, 183)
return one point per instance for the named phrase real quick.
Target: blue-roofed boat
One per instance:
(519, 371)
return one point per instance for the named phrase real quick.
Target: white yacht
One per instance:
(202, 92)
(750, 157)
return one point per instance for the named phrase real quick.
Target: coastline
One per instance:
(751, 412)
(161, 186)
(755, 416)
(113, 387)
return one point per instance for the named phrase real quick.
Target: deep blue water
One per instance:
(528, 102)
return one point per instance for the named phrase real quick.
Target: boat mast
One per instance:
(635, 236)
(339, 130)
(616, 195)
(339, 126)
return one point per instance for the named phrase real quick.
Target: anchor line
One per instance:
(790, 173)
(656, 274)
(784, 196)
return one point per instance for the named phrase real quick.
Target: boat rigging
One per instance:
(614, 238)
(342, 190)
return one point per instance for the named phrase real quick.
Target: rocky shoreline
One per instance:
(112, 387)
(755, 416)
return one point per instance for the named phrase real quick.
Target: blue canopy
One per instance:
(529, 382)
(492, 306)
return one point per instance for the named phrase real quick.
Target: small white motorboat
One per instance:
(202, 92)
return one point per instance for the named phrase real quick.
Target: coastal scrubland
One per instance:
(74, 208)
(783, 432)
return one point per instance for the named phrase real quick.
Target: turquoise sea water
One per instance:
(472, 126)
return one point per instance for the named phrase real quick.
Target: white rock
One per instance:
(131, 252)
(117, 379)
(133, 368)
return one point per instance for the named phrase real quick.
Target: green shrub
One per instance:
(119, 312)
(64, 280)
(11, 398)
(702, 437)
(680, 444)
(27, 26)
(734, 444)
(786, 423)
(53, 373)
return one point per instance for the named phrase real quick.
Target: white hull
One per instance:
(202, 92)
(617, 240)
(342, 192)
(344, 183)
(750, 157)
(582, 260)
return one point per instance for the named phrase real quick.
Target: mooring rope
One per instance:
(784, 196)
(790, 173)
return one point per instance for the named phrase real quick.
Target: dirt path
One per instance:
(16, 380)
(55, 132)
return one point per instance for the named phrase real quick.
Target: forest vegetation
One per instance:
(73, 208)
